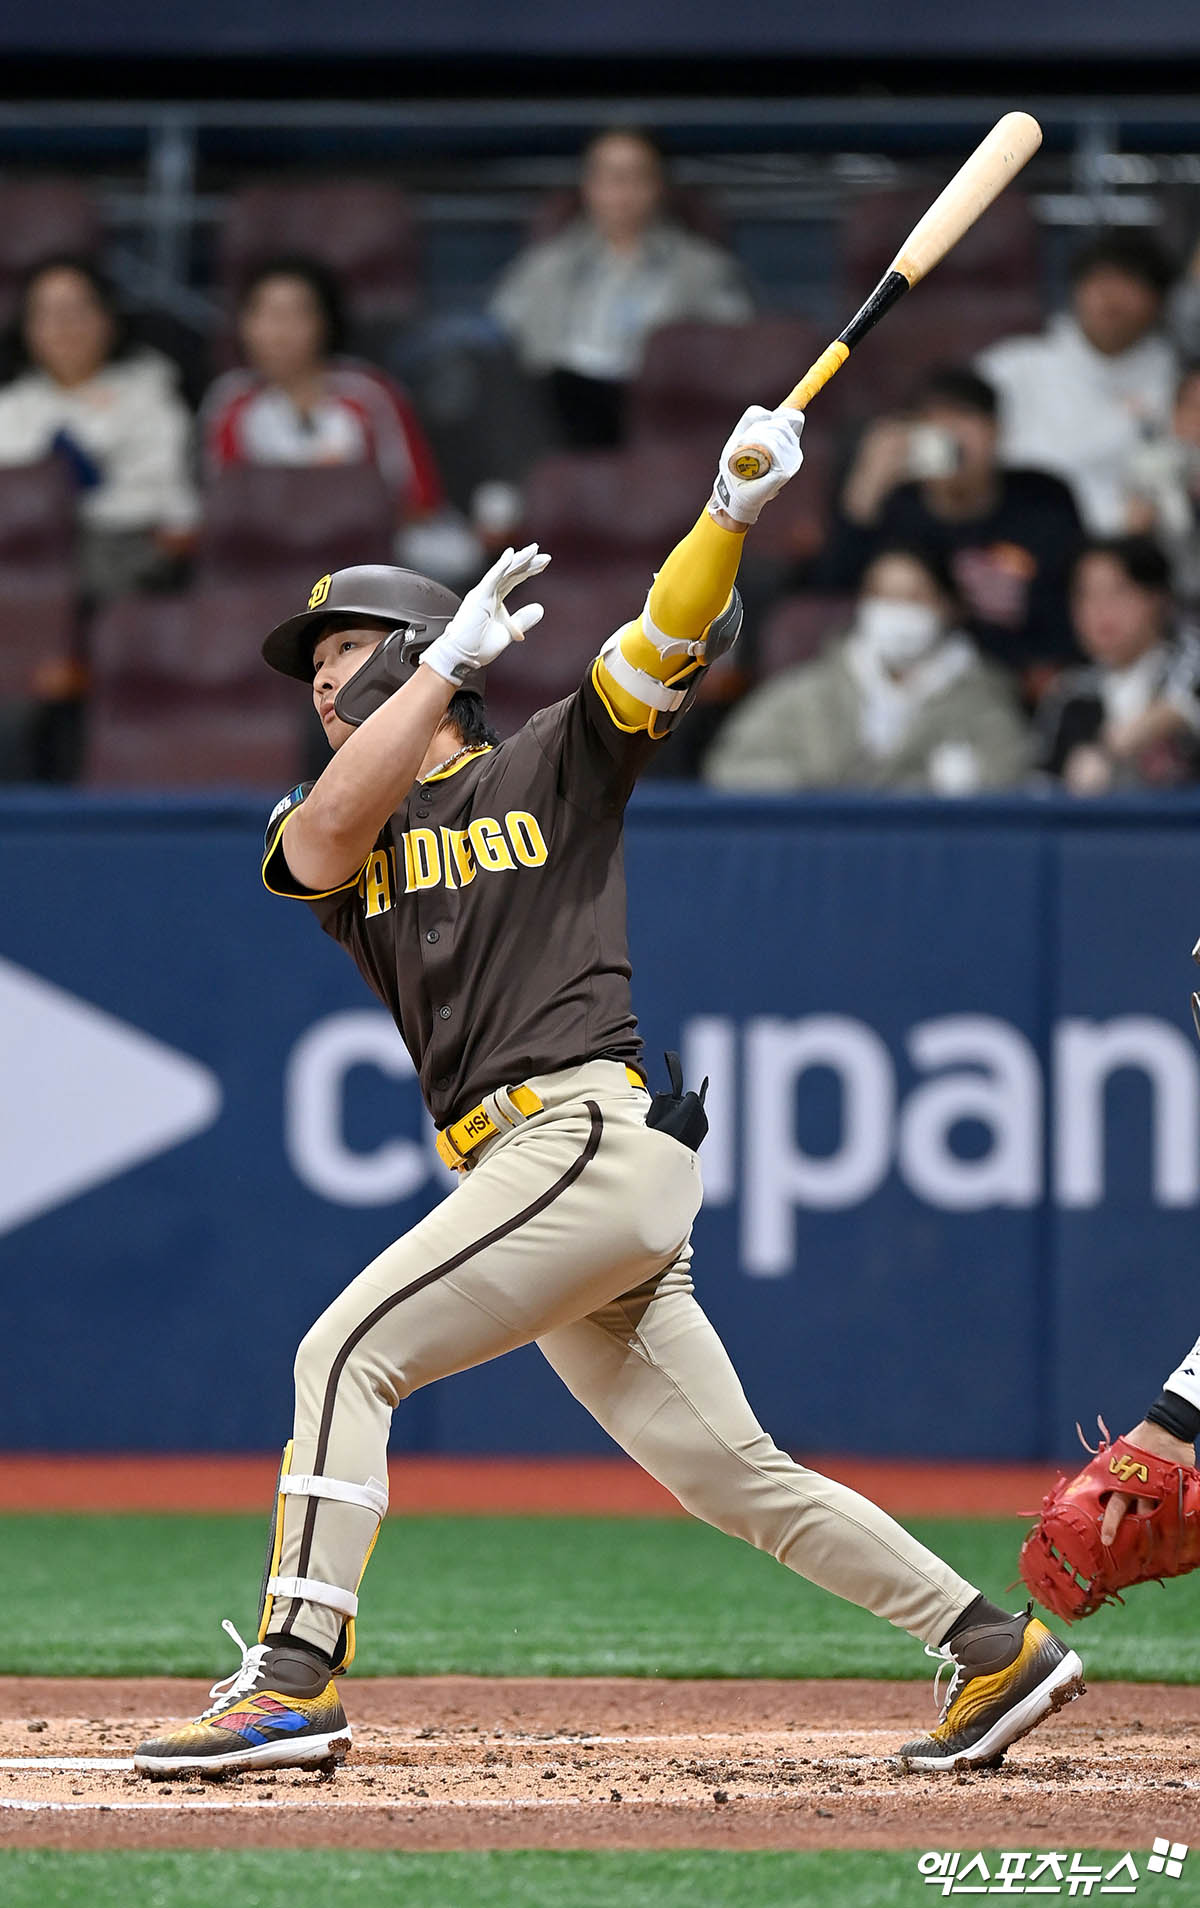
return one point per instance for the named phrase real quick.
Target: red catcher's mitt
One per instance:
(1063, 1561)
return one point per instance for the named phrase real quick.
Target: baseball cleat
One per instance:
(1007, 1679)
(280, 1710)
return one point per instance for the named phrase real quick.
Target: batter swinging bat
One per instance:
(1012, 141)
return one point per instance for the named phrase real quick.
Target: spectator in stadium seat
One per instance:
(1164, 489)
(1131, 718)
(300, 400)
(904, 700)
(579, 306)
(113, 412)
(1009, 536)
(1078, 398)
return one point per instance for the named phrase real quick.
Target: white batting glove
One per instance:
(777, 435)
(481, 628)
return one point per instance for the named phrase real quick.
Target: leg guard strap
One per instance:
(371, 1496)
(312, 1590)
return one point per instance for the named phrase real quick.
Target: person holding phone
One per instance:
(933, 478)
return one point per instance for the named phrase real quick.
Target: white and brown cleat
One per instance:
(1007, 1679)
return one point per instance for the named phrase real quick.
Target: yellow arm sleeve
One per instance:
(692, 588)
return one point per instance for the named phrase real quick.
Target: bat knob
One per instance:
(749, 461)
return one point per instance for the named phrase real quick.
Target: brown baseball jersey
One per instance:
(490, 916)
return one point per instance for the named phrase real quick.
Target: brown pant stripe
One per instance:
(418, 1285)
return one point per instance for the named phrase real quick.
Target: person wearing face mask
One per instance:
(1131, 718)
(904, 700)
(934, 479)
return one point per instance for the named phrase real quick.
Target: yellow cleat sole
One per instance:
(1060, 1687)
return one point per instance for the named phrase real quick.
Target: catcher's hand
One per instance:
(1147, 1437)
(1131, 1515)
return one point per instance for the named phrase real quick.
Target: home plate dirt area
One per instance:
(468, 1762)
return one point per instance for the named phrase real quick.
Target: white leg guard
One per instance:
(372, 1496)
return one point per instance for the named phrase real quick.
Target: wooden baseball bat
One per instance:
(1012, 141)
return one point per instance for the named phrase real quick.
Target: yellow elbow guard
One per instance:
(638, 700)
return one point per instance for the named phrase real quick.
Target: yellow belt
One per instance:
(456, 1143)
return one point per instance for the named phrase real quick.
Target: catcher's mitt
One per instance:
(1063, 1561)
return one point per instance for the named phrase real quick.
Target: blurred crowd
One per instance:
(985, 577)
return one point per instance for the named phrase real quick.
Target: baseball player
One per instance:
(478, 886)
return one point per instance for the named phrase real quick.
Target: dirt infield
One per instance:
(466, 1762)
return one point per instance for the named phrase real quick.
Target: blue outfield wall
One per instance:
(952, 1182)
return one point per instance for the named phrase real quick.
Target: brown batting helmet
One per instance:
(367, 593)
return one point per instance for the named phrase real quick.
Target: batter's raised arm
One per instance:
(331, 834)
(647, 671)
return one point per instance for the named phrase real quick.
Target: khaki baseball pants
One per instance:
(572, 1231)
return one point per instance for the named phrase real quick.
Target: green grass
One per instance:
(136, 1596)
(512, 1879)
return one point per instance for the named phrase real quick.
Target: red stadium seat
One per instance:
(362, 229)
(589, 504)
(37, 524)
(697, 379)
(998, 254)
(181, 694)
(592, 503)
(796, 628)
(39, 639)
(39, 217)
(932, 325)
(269, 520)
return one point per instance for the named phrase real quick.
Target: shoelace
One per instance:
(945, 1659)
(243, 1678)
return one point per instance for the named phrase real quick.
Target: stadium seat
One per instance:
(998, 254)
(39, 217)
(272, 521)
(39, 638)
(642, 500)
(796, 628)
(933, 325)
(181, 695)
(697, 379)
(362, 229)
(592, 503)
(37, 524)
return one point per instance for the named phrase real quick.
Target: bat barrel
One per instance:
(998, 158)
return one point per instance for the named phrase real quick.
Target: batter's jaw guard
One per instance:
(386, 669)
(669, 700)
(371, 1496)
